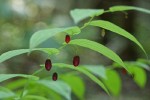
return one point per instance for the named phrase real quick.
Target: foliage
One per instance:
(107, 78)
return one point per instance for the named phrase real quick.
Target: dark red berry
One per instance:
(76, 60)
(55, 76)
(48, 64)
(67, 39)
(124, 71)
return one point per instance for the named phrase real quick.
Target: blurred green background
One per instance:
(19, 19)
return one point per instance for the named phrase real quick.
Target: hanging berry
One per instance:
(55, 76)
(67, 39)
(76, 60)
(48, 64)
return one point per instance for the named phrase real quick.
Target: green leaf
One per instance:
(13, 53)
(123, 8)
(33, 97)
(5, 93)
(43, 35)
(85, 72)
(138, 64)
(80, 14)
(98, 70)
(116, 29)
(139, 75)
(58, 86)
(99, 48)
(113, 82)
(4, 77)
(76, 84)
(145, 61)
(16, 84)
(137, 72)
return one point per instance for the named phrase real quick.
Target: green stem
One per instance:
(86, 24)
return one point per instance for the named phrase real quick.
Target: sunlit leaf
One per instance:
(116, 29)
(13, 53)
(80, 14)
(58, 86)
(124, 8)
(113, 82)
(76, 84)
(139, 75)
(43, 35)
(98, 48)
(4, 77)
(5, 93)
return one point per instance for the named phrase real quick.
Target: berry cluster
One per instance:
(48, 63)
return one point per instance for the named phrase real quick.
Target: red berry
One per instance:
(124, 71)
(55, 76)
(76, 60)
(48, 64)
(67, 39)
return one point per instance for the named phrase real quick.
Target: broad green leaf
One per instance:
(116, 29)
(85, 72)
(76, 84)
(80, 14)
(113, 82)
(4, 77)
(34, 97)
(97, 70)
(98, 48)
(5, 93)
(123, 8)
(58, 86)
(13, 53)
(43, 35)
(139, 75)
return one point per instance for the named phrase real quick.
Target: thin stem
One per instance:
(86, 24)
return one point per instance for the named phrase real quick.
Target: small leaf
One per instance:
(123, 8)
(80, 14)
(139, 75)
(58, 86)
(97, 70)
(5, 93)
(76, 84)
(116, 29)
(84, 71)
(43, 35)
(13, 53)
(4, 77)
(99, 48)
(113, 82)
